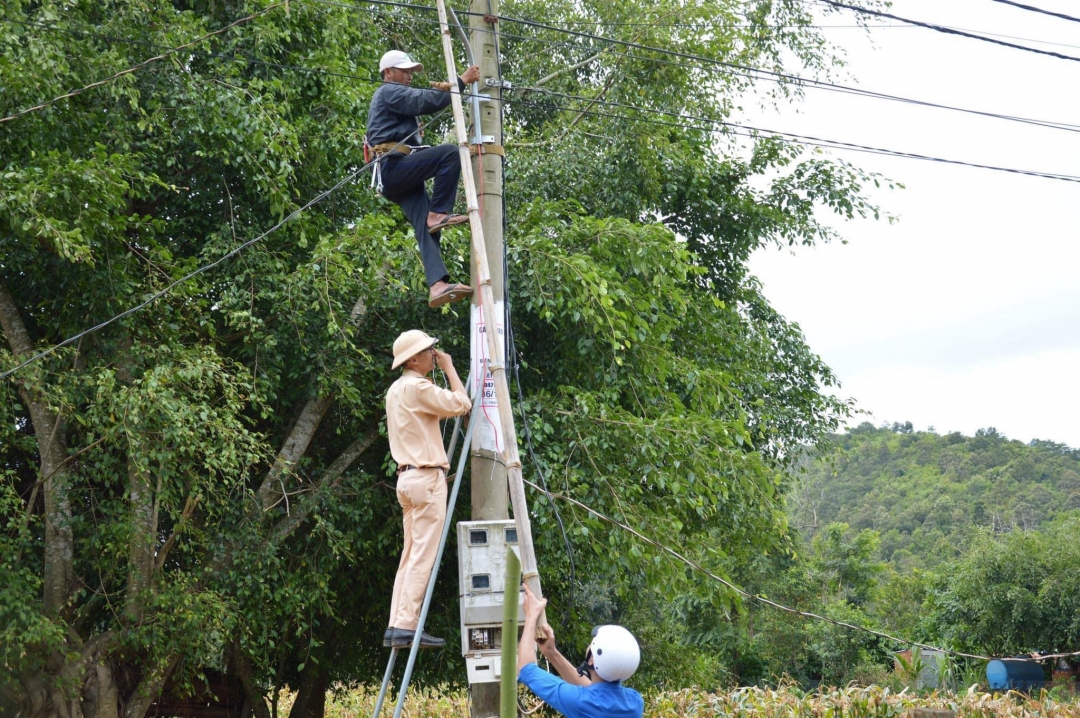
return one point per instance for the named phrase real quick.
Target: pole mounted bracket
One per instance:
(496, 82)
(491, 19)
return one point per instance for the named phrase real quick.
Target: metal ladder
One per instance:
(415, 648)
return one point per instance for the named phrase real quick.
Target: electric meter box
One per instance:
(482, 577)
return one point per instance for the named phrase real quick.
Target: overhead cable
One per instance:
(949, 30)
(773, 76)
(1032, 8)
(736, 68)
(794, 137)
(141, 65)
(190, 275)
(1049, 124)
(773, 604)
(769, 74)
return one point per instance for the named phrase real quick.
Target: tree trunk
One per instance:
(329, 479)
(143, 520)
(150, 686)
(253, 698)
(50, 432)
(141, 541)
(314, 682)
(101, 696)
(311, 695)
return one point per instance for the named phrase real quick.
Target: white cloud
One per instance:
(966, 313)
(1034, 396)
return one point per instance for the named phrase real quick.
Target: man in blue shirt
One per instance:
(393, 132)
(595, 689)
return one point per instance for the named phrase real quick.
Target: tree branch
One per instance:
(561, 71)
(328, 482)
(294, 447)
(185, 515)
(299, 438)
(150, 686)
(243, 672)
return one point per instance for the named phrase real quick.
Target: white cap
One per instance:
(400, 60)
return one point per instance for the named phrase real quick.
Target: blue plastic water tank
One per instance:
(1018, 674)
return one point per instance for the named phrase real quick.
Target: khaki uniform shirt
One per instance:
(414, 406)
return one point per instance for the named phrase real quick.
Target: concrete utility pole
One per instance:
(488, 472)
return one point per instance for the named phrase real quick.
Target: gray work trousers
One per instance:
(403, 179)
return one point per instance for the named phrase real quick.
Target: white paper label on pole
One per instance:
(488, 432)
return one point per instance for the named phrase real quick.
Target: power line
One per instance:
(232, 253)
(949, 30)
(891, 26)
(809, 82)
(141, 65)
(747, 71)
(794, 137)
(907, 25)
(1032, 8)
(1029, 39)
(767, 602)
(812, 83)
(844, 89)
(713, 24)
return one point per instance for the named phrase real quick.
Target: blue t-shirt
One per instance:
(599, 700)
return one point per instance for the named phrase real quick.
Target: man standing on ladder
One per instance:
(592, 690)
(414, 406)
(393, 132)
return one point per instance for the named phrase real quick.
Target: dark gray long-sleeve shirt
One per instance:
(395, 107)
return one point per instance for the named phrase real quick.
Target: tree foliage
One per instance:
(1013, 593)
(204, 487)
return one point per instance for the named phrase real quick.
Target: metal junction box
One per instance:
(481, 574)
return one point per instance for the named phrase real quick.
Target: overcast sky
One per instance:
(966, 313)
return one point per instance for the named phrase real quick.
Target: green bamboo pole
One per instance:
(508, 688)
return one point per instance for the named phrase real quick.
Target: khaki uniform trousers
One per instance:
(422, 495)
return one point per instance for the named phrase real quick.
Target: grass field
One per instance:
(783, 702)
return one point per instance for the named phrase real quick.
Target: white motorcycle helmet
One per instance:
(615, 653)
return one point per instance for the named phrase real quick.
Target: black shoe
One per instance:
(403, 638)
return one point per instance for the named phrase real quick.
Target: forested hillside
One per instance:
(923, 492)
(966, 543)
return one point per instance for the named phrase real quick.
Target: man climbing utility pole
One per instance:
(404, 166)
(487, 469)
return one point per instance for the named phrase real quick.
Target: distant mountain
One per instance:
(923, 492)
